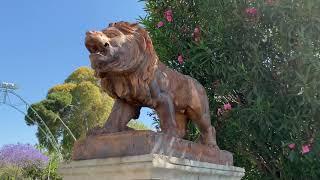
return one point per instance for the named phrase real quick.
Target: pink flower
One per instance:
(180, 59)
(292, 146)
(196, 30)
(196, 34)
(227, 106)
(305, 149)
(219, 112)
(169, 16)
(160, 24)
(168, 12)
(252, 11)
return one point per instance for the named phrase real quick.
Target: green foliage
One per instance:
(65, 87)
(260, 56)
(137, 125)
(78, 104)
(48, 172)
(10, 172)
(51, 171)
(80, 75)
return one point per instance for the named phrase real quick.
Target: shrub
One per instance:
(259, 61)
(21, 160)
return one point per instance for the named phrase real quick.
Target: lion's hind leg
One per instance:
(208, 133)
(203, 122)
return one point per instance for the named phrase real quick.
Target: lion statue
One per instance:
(123, 57)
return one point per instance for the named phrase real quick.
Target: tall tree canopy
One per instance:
(70, 110)
(259, 61)
(78, 102)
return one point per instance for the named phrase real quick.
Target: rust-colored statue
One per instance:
(123, 56)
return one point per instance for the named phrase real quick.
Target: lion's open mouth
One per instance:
(98, 49)
(99, 57)
(96, 45)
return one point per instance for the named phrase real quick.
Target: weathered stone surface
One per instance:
(132, 143)
(150, 166)
(123, 57)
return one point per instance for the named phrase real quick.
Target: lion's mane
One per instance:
(142, 66)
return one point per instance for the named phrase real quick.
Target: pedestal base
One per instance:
(149, 166)
(133, 143)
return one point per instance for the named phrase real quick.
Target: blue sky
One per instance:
(42, 42)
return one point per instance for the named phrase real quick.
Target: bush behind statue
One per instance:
(260, 64)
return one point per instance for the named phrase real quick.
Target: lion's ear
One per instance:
(145, 38)
(134, 25)
(125, 27)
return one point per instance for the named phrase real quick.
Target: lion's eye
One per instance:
(112, 35)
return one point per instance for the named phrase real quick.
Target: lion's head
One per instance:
(121, 48)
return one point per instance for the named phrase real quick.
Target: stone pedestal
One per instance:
(147, 167)
(132, 143)
(147, 155)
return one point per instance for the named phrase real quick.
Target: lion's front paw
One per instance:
(210, 142)
(215, 146)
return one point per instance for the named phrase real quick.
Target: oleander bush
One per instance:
(259, 61)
